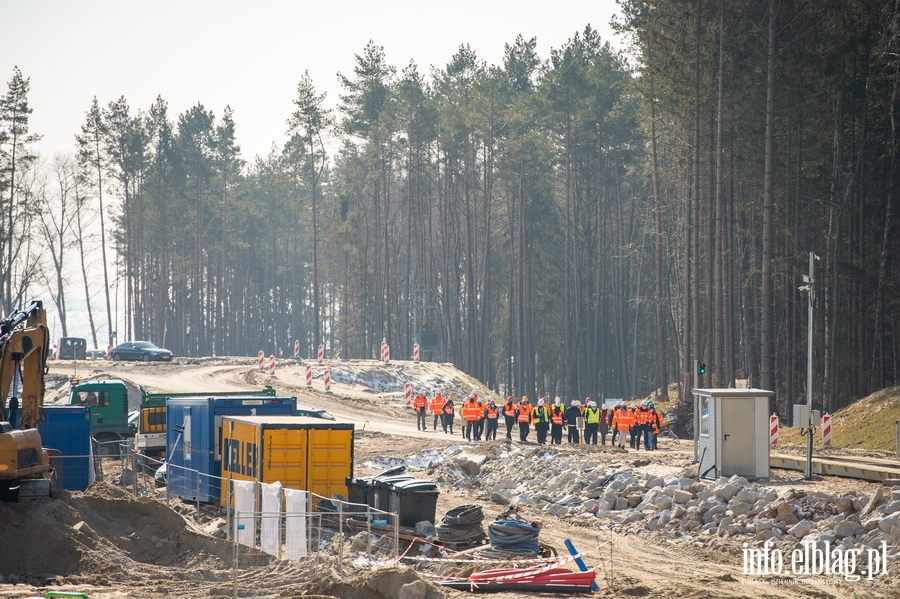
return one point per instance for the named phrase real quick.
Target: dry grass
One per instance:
(869, 423)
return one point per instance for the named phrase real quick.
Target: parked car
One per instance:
(71, 348)
(95, 354)
(140, 350)
(314, 413)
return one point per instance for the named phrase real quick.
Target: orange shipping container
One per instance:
(309, 454)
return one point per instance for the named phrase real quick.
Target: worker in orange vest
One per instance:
(491, 420)
(437, 408)
(523, 416)
(643, 418)
(420, 405)
(634, 428)
(557, 416)
(471, 413)
(655, 425)
(509, 414)
(449, 412)
(622, 422)
(479, 424)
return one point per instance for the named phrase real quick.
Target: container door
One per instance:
(285, 462)
(738, 445)
(330, 461)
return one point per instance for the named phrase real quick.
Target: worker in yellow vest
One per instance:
(591, 422)
(541, 418)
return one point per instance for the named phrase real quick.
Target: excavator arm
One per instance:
(24, 343)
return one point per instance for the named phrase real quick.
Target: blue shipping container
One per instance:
(67, 429)
(194, 439)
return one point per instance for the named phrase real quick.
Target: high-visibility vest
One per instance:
(556, 416)
(524, 411)
(541, 414)
(592, 416)
(509, 409)
(471, 411)
(437, 404)
(420, 404)
(492, 413)
(448, 408)
(643, 415)
(622, 419)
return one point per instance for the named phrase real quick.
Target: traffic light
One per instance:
(701, 367)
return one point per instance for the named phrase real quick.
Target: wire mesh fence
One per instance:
(266, 522)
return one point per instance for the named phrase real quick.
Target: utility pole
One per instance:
(810, 294)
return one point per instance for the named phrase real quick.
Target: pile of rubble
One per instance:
(683, 508)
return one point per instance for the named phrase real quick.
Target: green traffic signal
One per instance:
(701, 368)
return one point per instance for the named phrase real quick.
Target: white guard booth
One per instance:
(731, 432)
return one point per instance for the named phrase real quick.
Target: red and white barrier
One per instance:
(416, 353)
(826, 430)
(327, 380)
(309, 375)
(321, 354)
(773, 429)
(385, 352)
(272, 365)
(297, 349)
(262, 360)
(408, 391)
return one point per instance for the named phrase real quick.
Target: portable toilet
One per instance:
(731, 432)
(194, 439)
(66, 433)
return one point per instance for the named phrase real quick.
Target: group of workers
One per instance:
(635, 422)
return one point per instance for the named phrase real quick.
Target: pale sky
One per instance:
(249, 55)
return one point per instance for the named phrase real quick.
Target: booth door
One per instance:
(738, 446)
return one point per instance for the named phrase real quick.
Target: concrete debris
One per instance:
(682, 509)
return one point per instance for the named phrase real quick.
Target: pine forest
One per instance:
(588, 223)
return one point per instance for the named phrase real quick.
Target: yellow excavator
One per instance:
(24, 346)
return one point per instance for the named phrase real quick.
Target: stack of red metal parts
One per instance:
(531, 579)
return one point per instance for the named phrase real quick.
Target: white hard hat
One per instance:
(604, 406)
(557, 400)
(593, 404)
(575, 402)
(541, 401)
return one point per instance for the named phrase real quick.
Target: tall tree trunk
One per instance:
(661, 362)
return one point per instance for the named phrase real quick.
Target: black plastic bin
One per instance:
(382, 487)
(359, 492)
(414, 500)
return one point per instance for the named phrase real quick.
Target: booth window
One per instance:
(704, 416)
